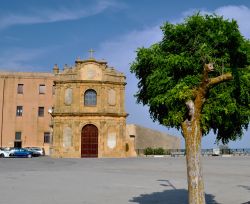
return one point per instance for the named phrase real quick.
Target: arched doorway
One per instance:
(89, 141)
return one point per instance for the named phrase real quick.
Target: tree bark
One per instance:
(193, 133)
(194, 164)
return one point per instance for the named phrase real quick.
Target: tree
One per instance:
(197, 79)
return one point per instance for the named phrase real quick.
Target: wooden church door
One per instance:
(89, 141)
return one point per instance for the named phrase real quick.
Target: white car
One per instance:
(4, 152)
(39, 150)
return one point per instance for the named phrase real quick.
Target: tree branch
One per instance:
(219, 79)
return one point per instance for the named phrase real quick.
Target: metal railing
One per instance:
(204, 152)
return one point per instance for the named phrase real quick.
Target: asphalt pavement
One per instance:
(120, 181)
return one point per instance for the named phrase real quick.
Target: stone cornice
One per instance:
(88, 82)
(76, 114)
(79, 61)
(27, 75)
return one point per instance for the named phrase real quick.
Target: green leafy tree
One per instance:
(197, 79)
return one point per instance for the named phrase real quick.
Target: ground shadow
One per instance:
(170, 196)
(245, 187)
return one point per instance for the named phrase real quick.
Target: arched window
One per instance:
(90, 98)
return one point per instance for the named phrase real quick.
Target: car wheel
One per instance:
(2, 155)
(29, 156)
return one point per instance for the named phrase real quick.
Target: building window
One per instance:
(53, 89)
(90, 98)
(19, 111)
(46, 137)
(18, 136)
(40, 111)
(20, 88)
(41, 89)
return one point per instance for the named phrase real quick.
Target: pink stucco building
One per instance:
(25, 99)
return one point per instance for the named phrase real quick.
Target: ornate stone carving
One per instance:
(111, 142)
(67, 137)
(90, 72)
(68, 96)
(112, 97)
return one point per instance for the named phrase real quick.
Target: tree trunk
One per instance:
(194, 166)
(192, 132)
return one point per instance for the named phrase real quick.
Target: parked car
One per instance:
(20, 152)
(39, 150)
(216, 152)
(4, 152)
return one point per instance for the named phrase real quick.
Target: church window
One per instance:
(90, 98)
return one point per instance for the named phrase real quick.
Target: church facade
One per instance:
(74, 112)
(89, 118)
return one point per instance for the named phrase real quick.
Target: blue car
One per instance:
(20, 152)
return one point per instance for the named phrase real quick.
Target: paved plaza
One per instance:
(120, 181)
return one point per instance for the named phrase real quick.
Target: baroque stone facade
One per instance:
(89, 118)
(77, 112)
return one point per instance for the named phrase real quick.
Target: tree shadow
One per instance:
(170, 196)
(245, 187)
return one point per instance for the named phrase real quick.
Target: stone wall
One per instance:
(145, 137)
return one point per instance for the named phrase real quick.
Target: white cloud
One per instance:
(240, 13)
(54, 15)
(121, 51)
(18, 59)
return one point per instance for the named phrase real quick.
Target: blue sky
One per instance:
(35, 35)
